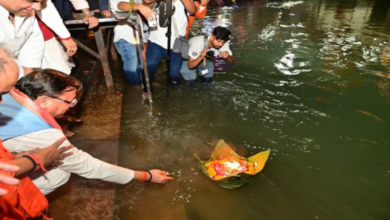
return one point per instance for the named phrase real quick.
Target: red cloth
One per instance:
(196, 15)
(46, 31)
(22, 201)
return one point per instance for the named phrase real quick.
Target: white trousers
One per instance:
(50, 181)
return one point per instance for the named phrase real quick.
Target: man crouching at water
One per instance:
(202, 49)
(27, 119)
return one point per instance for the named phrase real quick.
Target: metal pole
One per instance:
(136, 22)
(168, 59)
(140, 40)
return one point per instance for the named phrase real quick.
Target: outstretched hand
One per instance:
(106, 13)
(159, 176)
(70, 45)
(91, 20)
(147, 12)
(54, 153)
(224, 54)
(203, 53)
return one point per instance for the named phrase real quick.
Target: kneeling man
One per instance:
(27, 121)
(202, 49)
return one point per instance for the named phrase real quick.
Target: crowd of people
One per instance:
(157, 43)
(36, 89)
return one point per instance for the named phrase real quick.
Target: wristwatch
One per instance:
(89, 13)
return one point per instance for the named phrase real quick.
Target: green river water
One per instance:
(311, 82)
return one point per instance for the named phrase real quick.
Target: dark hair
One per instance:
(221, 33)
(47, 82)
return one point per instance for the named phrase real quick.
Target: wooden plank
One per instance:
(104, 59)
(114, 55)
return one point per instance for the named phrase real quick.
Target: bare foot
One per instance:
(68, 133)
(69, 118)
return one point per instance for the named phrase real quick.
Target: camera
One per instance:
(210, 54)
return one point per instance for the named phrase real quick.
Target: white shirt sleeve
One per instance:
(180, 18)
(31, 53)
(80, 4)
(80, 162)
(52, 19)
(196, 46)
(226, 48)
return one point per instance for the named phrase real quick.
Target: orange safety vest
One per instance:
(192, 17)
(22, 201)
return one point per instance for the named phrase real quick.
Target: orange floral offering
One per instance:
(228, 166)
(229, 169)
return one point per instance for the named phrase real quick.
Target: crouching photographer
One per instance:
(202, 50)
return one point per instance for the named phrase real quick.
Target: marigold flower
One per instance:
(211, 171)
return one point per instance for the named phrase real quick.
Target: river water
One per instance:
(311, 82)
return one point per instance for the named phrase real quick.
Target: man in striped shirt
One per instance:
(202, 49)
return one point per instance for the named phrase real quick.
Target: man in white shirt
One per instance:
(158, 42)
(124, 37)
(27, 119)
(23, 38)
(50, 22)
(202, 50)
(20, 34)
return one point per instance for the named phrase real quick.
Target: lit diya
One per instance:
(229, 169)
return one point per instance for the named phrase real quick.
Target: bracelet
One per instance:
(151, 176)
(89, 13)
(37, 162)
(143, 176)
(32, 161)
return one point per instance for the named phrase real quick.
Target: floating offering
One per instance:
(230, 170)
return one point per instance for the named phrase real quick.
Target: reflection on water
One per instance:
(310, 82)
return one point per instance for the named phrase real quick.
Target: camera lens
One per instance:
(210, 54)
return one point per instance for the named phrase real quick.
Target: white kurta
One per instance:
(80, 162)
(23, 40)
(52, 19)
(54, 55)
